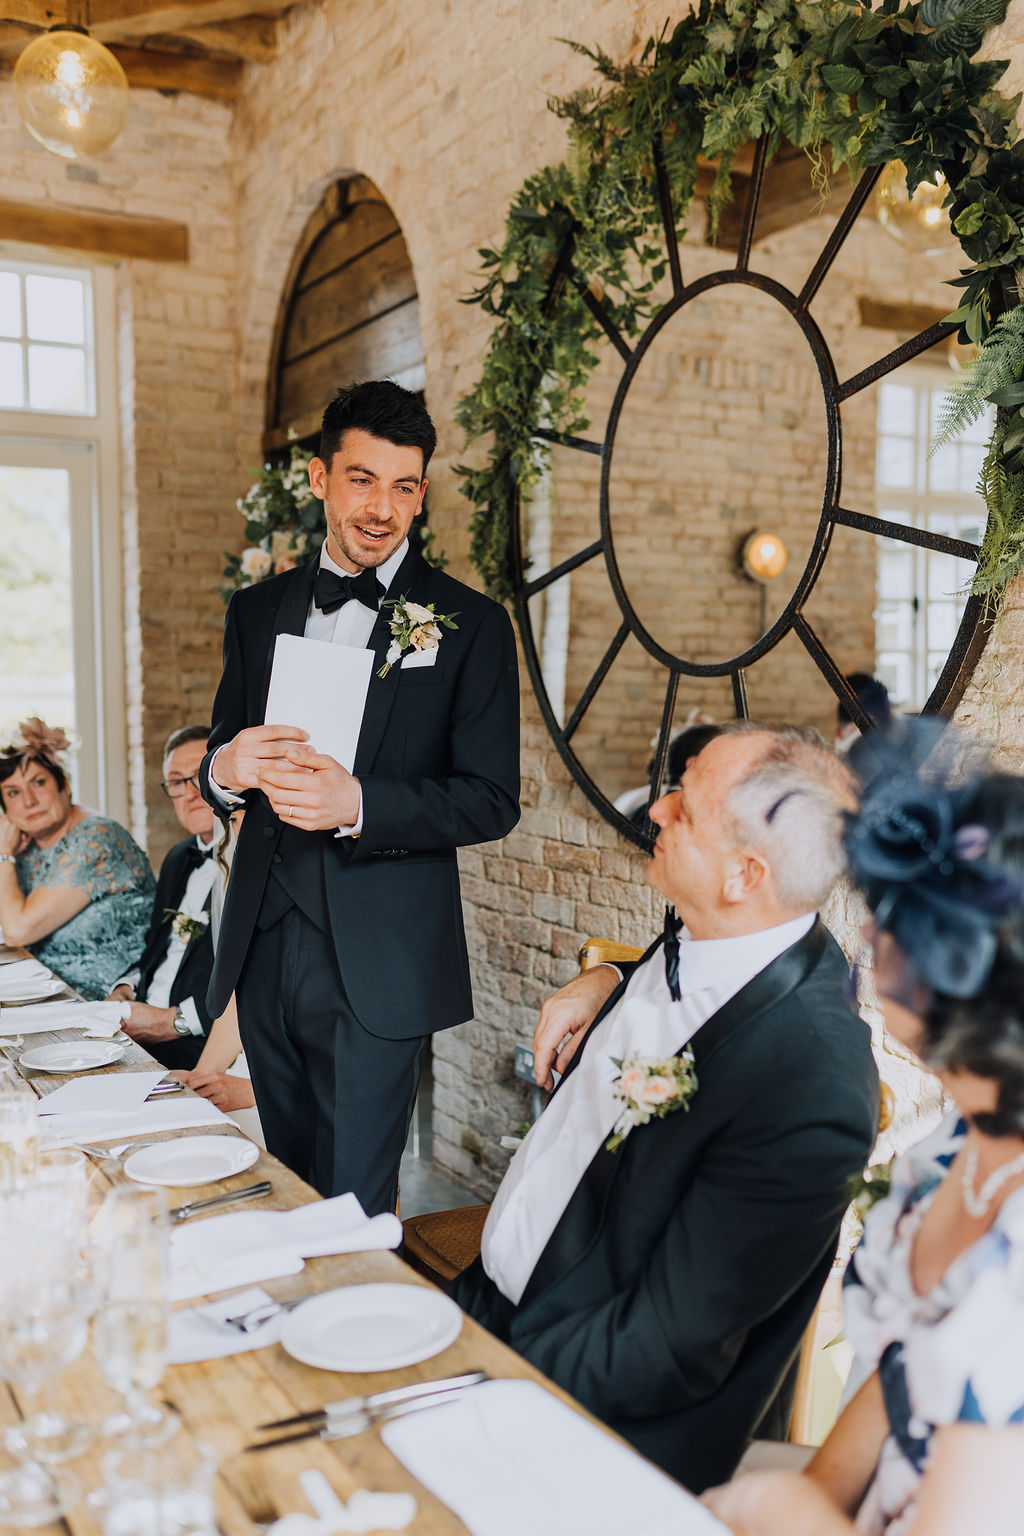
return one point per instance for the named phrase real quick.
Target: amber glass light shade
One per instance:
(71, 92)
(763, 556)
(920, 222)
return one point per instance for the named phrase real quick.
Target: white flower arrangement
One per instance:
(650, 1090)
(414, 627)
(284, 522)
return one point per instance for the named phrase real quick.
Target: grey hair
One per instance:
(789, 807)
(182, 736)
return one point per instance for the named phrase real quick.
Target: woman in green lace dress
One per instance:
(75, 887)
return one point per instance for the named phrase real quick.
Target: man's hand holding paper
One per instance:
(240, 763)
(310, 790)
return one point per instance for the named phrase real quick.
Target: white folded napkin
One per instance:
(364, 1512)
(101, 1094)
(176, 1113)
(24, 970)
(241, 1247)
(98, 1020)
(195, 1333)
(509, 1457)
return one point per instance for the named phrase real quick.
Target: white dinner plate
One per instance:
(191, 1160)
(371, 1327)
(72, 1056)
(29, 991)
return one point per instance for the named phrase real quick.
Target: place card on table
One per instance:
(308, 672)
(509, 1457)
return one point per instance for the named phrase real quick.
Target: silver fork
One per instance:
(112, 1154)
(248, 1322)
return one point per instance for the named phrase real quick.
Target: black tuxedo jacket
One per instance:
(438, 762)
(673, 1294)
(193, 977)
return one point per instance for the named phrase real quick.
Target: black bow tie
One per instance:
(333, 590)
(672, 927)
(195, 856)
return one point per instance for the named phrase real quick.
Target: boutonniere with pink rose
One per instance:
(650, 1090)
(414, 627)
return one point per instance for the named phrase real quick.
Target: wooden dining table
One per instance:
(222, 1401)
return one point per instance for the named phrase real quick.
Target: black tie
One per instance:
(196, 856)
(333, 590)
(672, 927)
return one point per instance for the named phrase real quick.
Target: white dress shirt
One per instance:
(158, 995)
(351, 624)
(543, 1175)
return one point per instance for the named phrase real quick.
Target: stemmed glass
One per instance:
(19, 1129)
(131, 1249)
(43, 1327)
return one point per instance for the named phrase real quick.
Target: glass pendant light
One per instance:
(71, 92)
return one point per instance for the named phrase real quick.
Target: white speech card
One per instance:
(322, 689)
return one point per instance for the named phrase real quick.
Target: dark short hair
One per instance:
(182, 736)
(10, 764)
(872, 696)
(688, 744)
(985, 1034)
(383, 409)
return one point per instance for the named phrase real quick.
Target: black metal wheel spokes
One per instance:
(973, 626)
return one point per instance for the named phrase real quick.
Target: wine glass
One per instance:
(19, 1130)
(43, 1327)
(130, 1325)
(159, 1490)
(54, 1203)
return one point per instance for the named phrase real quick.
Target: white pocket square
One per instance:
(420, 658)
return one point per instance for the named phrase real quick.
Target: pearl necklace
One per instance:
(977, 1205)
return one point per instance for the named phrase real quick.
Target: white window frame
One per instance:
(89, 446)
(920, 506)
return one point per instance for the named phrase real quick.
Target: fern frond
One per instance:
(1000, 362)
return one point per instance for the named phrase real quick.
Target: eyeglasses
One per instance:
(175, 788)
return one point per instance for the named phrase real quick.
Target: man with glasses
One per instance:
(167, 986)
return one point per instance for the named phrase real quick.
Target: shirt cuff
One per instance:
(129, 979)
(223, 796)
(357, 826)
(190, 1014)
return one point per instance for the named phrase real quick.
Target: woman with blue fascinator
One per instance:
(933, 1443)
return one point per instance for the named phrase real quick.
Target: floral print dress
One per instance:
(105, 939)
(954, 1355)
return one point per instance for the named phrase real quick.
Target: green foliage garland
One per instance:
(854, 85)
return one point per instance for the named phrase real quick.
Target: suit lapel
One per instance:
(290, 618)
(580, 1223)
(409, 581)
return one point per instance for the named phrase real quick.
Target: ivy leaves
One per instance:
(869, 83)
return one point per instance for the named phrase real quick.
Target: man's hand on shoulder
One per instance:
(241, 762)
(149, 1025)
(569, 1012)
(310, 790)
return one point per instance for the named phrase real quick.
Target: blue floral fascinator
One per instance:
(919, 858)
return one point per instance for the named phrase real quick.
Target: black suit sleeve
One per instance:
(760, 1214)
(229, 705)
(476, 799)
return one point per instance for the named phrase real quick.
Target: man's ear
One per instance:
(318, 478)
(746, 875)
(423, 491)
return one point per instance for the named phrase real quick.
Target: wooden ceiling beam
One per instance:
(137, 18)
(148, 69)
(253, 40)
(107, 234)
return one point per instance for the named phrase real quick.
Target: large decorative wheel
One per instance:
(679, 662)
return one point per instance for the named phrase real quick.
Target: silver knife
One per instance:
(377, 1410)
(316, 1417)
(195, 1207)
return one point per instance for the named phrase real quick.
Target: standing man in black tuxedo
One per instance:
(167, 986)
(667, 1283)
(342, 929)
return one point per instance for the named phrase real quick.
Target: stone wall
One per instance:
(443, 108)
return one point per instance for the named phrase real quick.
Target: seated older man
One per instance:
(661, 1237)
(167, 985)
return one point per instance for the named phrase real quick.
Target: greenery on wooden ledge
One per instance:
(853, 84)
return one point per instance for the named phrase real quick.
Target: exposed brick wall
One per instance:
(443, 108)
